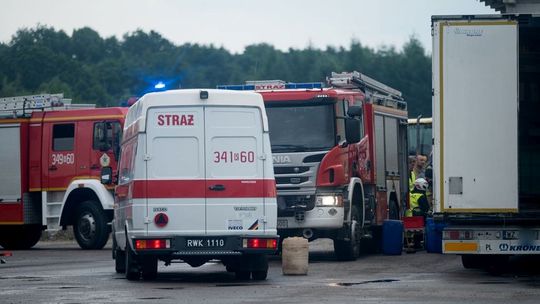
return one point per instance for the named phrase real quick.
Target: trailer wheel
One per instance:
(132, 270)
(471, 261)
(90, 228)
(149, 266)
(349, 250)
(20, 237)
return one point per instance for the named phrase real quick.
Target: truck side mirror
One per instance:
(352, 130)
(106, 175)
(354, 111)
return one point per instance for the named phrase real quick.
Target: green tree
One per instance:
(91, 69)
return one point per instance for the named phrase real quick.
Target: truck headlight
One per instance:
(329, 201)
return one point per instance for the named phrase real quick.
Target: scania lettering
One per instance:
(339, 157)
(486, 134)
(197, 191)
(53, 153)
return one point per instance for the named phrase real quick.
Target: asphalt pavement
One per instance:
(60, 272)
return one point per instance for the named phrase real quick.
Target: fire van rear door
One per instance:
(234, 170)
(175, 187)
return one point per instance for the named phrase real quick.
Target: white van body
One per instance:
(196, 182)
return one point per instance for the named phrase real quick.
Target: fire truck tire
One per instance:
(349, 250)
(90, 228)
(132, 272)
(20, 237)
(149, 268)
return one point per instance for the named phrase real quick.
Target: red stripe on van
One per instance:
(200, 188)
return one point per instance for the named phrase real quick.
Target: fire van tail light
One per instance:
(152, 244)
(458, 235)
(256, 243)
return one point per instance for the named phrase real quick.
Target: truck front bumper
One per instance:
(317, 218)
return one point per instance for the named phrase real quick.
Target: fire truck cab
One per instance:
(53, 153)
(339, 157)
(196, 183)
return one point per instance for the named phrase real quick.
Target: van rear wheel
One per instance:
(90, 228)
(149, 265)
(120, 261)
(132, 272)
(259, 266)
(242, 275)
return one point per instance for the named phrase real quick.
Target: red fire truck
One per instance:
(52, 153)
(339, 157)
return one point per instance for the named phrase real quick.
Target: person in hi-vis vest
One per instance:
(412, 175)
(418, 202)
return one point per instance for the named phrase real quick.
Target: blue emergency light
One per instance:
(160, 85)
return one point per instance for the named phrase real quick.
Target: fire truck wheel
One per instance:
(349, 250)
(132, 266)
(20, 237)
(90, 228)
(149, 266)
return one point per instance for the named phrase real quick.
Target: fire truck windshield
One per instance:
(299, 127)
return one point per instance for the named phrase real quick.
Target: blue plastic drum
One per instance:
(392, 238)
(434, 235)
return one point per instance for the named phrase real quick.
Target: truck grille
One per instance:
(291, 180)
(289, 204)
(290, 170)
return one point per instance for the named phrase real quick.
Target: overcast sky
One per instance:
(235, 24)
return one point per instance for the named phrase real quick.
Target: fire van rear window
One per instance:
(63, 137)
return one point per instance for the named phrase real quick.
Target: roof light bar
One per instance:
(271, 85)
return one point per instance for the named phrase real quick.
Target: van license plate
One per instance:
(205, 242)
(282, 224)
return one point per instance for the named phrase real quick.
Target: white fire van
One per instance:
(196, 183)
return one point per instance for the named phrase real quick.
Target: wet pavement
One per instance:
(60, 272)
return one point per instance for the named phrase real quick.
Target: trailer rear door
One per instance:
(475, 107)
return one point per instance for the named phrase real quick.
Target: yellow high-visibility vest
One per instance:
(413, 203)
(412, 179)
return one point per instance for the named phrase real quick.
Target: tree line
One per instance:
(106, 71)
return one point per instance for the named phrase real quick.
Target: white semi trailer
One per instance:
(486, 129)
